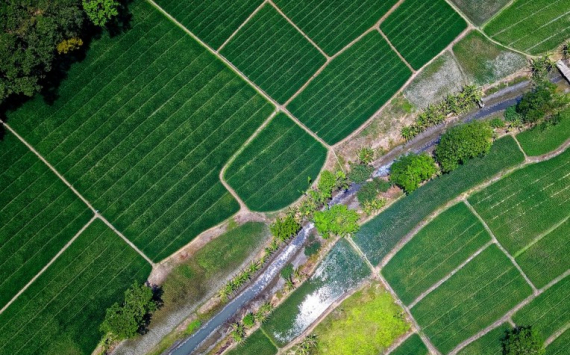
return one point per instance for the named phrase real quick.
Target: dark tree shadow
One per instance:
(2, 132)
(122, 22)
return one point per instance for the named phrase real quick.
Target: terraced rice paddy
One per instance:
(62, 309)
(213, 21)
(413, 345)
(351, 89)
(334, 25)
(521, 206)
(272, 53)
(549, 312)
(378, 236)
(473, 298)
(488, 344)
(341, 270)
(441, 246)
(40, 214)
(144, 129)
(421, 29)
(532, 26)
(280, 162)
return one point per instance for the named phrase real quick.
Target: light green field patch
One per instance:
(485, 62)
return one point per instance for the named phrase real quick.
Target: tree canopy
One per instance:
(411, 170)
(523, 341)
(463, 142)
(338, 220)
(101, 11)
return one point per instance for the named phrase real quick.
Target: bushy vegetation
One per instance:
(463, 142)
(359, 173)
(541, 104)
(313, 246)
(369, 191)
(285, 228)
(454, 104)
(409, 171)
(523, 340)
(337, 220)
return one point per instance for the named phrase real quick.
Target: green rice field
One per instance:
(341, 270)
(39, 215)
(255, 344)
(213, 21)
(421, 29)
(280, 162)
(333, 25)
(488, 344)
(548, 258)
(532, 26)
(549, 312)
(350, 89)
(378, 236)
(538, 140)
(61, 311)
(412, 346)
(143, 130)
(272, 53)
(560, 345)
(526, 203)
(436, 250)
(473, 298)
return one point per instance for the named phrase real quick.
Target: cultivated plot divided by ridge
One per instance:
(144, 129)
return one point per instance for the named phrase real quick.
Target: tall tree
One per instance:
(101, 11)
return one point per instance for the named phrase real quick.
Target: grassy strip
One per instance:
(333, 27)
(485, 62)
(351, 88)
(146, 139)
(537, 141)
(480, 11)
(377, 237)
(421, 29)
(471, 299)
(214, 20)
(532, 26)
(436, 250)
(256, 344)
(341, 270)
(412, 346)
(549, 312)
(60, 313)
(40, 214)
(548, 258)
(276, 163)
(488, 344)
(272, 53)
(527, 202)
(560, 345)
(366, 323)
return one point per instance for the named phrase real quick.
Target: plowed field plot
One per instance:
(472, 299)
(377, 237)
(547, 258)
(62, 309)
(560, 345)
(532, 26)
(521, 206)
(436, 250)
(412, 346)
(272, 53)
(334, 24)
(213, 21)
(351, 89)
(480, 11)
(421, 29)
(549, 312)
(39, 215)
(277, 163)
(488, 344)
(143, 130)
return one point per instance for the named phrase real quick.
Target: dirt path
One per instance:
(241, 26)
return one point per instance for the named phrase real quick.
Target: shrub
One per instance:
(359, 173)
(374, 205)
(285, 228)
(411, 170)
(497, 123)
(522, 340)
(511, 114)
(287, 271)
(249, 320)
(370, 190)
(330, 182)
(366, 155)
(313, 246)
(462, 143)
(540, 103)
(338, 220)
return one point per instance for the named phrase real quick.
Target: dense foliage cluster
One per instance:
(540, 104)
(523, 340)
(462, 143)
(337, 220)
(411, 170)
(359, 173)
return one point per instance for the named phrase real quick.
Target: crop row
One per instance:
(421, 29)
(276, 163)
(333, 27)
(412, 345)
(489, 344)
(436, 250)
(64, 306)
(526, 203)
(272, 53)
(39, 216)
(350, 89)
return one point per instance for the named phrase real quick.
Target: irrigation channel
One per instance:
(426, 141)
